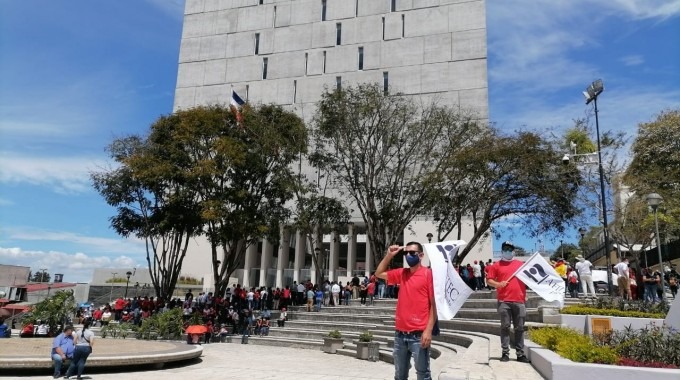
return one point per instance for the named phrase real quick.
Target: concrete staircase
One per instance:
(472, 334)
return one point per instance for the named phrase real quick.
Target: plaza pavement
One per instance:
(241, 362)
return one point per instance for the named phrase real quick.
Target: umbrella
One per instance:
(196, 329)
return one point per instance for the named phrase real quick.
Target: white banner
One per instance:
(450, 291)
(541, 277)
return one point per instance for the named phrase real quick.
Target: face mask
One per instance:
(412, 260)
(507, 255)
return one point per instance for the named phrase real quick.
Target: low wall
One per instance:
(554, 367)
(583, 323)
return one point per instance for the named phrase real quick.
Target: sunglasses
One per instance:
(412, 253)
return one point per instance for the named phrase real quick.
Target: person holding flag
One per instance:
(416, 310)
(511, 295)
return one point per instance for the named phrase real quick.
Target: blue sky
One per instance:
(76, 74)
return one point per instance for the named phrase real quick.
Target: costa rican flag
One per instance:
(235, 105)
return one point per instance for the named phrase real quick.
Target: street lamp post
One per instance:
(591, 94)
(654, 200)
(429, 237)
(112, 281)
(127, 283)
(562, 248)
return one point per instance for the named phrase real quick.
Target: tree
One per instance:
(242, 175)
(55, 310)
(154, 201)
(41, 276)
(567, 251)
(633, 226)
(655, 166)
(498, 177)
(379, 148)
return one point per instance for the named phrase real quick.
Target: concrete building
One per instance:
(286, 51)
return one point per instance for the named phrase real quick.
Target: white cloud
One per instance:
(90, 243)
(76, 266)
(632, 60)
(174, 8)
(537, 48)
(6, 202)
(62, 174)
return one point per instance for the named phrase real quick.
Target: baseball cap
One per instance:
(507, 244)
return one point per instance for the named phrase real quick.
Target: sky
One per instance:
(75, 74)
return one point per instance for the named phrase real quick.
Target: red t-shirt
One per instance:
(515, 291)
(415, 292)
(371, 288)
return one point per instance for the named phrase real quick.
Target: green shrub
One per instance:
(336, 334)
(366, 336)
(651, 344)
(587, 310)
(167, 325)
(549, 337)
(584, 350)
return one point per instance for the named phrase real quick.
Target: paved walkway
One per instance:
(241, 362)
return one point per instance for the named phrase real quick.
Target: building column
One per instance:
(266, 260)
(318, 243)
(351, 250)
(299, 255)
(369, 258)
(249, 263)
(282, 261)
(334, 258)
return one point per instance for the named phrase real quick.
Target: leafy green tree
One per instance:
(498, 176)
(378, 150)
(40, 277)
(154, 201)
(55, 310)
(655, 166)
(242, 176)
(567, 251)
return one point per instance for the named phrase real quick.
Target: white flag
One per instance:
(450, 291)
(541, 277)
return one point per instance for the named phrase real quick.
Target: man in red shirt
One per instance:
(511, 294)
(416, 311)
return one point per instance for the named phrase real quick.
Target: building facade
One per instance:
(288, 51)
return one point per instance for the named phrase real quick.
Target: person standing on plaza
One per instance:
(511, 294)
(62, 349)
(585, 271)
(335, 290)
(84, 339)
(477, 271)
(623, 281)
(416, 311)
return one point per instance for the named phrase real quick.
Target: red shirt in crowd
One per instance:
(515, 291)
(415, 293)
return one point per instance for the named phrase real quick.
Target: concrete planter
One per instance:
(554, 367)
(331, 345)
(583, 323)
(368, 350)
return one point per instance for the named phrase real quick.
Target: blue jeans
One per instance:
(405, 346)
(381, 291)
(79, 358)
(58, 363)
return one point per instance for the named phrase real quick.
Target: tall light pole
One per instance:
(591, 94)
(112, 281)
(562, 248)
(127, 283)
(654, 200)
(429, 237)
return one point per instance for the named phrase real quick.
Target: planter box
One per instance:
(583, 323)
(368, 350)
(331, 345)
(554, 367)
